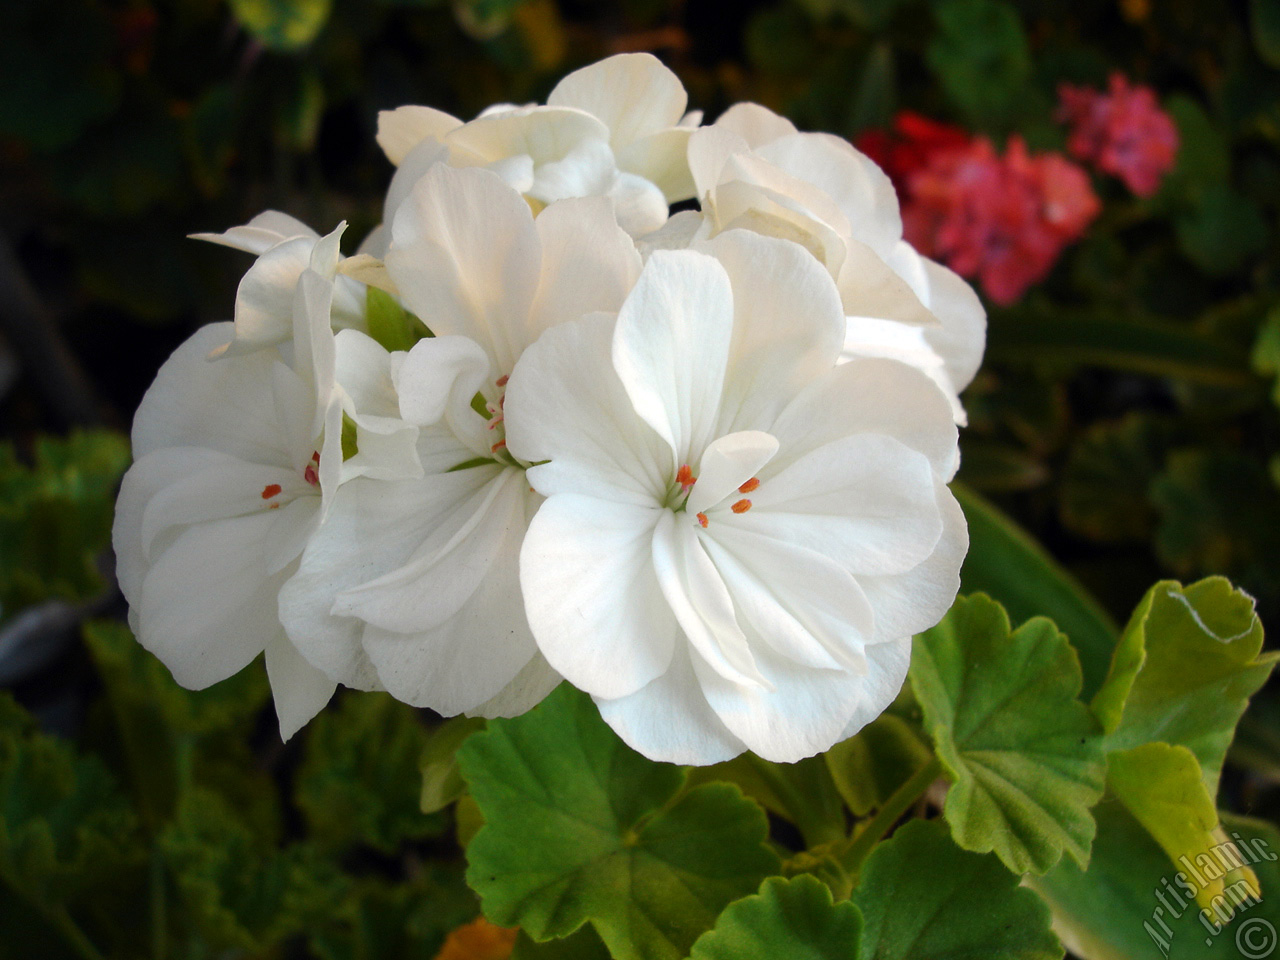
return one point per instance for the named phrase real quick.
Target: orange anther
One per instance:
(702, 520)
(273, 506)
(497, 446)
(502, 380)
(742, 506)
(749, 485)
(494, 422)
(270, 490)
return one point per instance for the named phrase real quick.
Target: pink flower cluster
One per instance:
(1122, 132)
(1002, 218)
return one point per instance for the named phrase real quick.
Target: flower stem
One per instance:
(898, 804)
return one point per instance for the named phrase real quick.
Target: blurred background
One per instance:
(1126, 418)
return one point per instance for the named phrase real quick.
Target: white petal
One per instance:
(414, 166)
(709, 151)
(587, 170)
(546, 134)
(678, 233)
(881, 685)
(149, 475)
(865, 501)
(227, 405)
(592, 597)
(457, 663)
(909, 603)
(639, 205)
(870, 287)
(437, 381)
(451, 563)
(299, 690)
(873, 337)
(261, 233)
(669, 720)
(962, 335)
(803, 605)
(700, 601)
(373, 528)
(215, 486)
(662, 159)
(756, 125)
(566, 405)
(788, 325)
(207, 605)
(528, 689)
(633, 93)
(803, 712)
(465, 256)
(588, 263)
(858, 187)
(871, 395)
(726, 464)
(402, 129)
(671, 345)
(264, 299)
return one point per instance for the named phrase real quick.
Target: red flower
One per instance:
(1122, 132)
(1001, 219)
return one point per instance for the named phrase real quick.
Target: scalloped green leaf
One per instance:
(283, 24)
(869, 767)
(793, 918)
(580, 828)
(1024, 754)
(1184, 671)
(923, 898)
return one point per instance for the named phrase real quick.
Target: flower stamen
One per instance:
(702, 520)
(686, 479)
(742, 506)
(312, 473)
(749, 485)
(270, 490)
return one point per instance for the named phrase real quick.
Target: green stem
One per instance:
(902, 800)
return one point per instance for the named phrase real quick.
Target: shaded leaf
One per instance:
(282, 24)
(869, 767)
(923, 898)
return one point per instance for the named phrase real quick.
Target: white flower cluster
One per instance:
(695, 464)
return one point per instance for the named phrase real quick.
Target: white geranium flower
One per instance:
(235, 458)
(264, 300)
(414, 585)
(755, 171)
(615, 129)
(740, 535)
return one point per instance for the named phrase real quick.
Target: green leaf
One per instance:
(1132, 904)
(1005, 562)
(580, 828)
(358, 783)
(55, 517)
(1264, 19)
(1024, 754)
(1107, 476)
(802, 792)
(1161, 785)
(1223, 232)
(981, 57)
(405, 920)
(162, 736)
(793, 918)
(1266, 351)
(1184, 671)
(235, 889)
(1000, 468)
(282, 24)
(583, 945)
(923, 898)
(391, 324)
(869, 767)
(442, 781)
(1135, 346)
